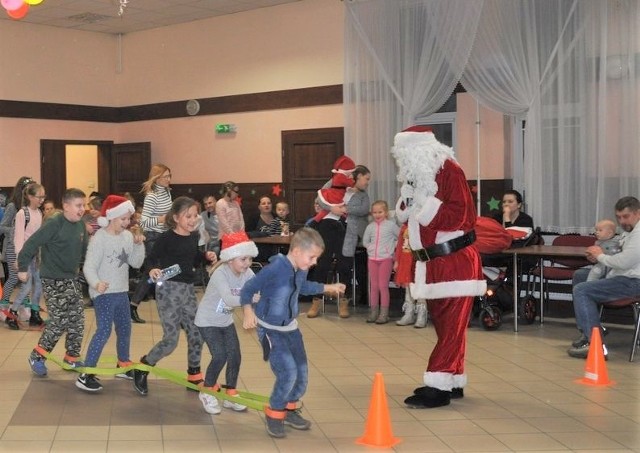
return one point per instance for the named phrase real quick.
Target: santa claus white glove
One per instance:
(406, 194)
(402, 210)
(429, 207)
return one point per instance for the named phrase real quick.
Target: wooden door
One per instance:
(130, 165)
(121, 168)
(307, 159)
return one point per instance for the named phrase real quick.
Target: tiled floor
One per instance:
(522, 395)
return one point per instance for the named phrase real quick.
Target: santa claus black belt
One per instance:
(446, 248)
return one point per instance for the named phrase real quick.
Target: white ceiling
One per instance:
(102, 15)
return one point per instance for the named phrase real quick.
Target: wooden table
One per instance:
(273, 240)
(541, 252)
(280, 244)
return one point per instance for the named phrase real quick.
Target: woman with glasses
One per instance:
(230, 218)
(6, 229)
(156, 205)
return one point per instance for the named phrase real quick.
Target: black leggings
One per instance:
(144, 286)
(332, 232)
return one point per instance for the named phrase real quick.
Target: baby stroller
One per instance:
(497, 269)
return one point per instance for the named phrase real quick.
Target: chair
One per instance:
(634, 303)
(560, 268)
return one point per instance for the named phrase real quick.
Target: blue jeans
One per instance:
(33, 285)
(288, 361)
(225, 350)
(110, 310)
(588, 296)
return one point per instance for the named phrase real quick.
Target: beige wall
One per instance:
(287, 46)
(295, 45)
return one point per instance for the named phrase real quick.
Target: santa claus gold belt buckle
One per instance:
(421, 255)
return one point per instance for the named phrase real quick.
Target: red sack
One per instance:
(491, 237)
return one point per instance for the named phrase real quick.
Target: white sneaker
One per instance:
(210, 403)
(235, 406)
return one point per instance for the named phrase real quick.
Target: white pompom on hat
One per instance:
(237, 244)
(114, 206)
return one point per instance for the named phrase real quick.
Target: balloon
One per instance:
(33, 2)
(19, 13)
(12, 5)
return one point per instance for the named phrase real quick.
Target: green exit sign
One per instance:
(225, 128)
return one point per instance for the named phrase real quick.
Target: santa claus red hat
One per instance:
(344, 165)
(114, 206)
(331, 197)
(237, 244)
(418, 128)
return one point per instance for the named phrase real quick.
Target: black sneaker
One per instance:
(275, 427)
(128, 375)
(88, 383)
(581, 350)
(580, 341)
(140, 382)
(296, 421)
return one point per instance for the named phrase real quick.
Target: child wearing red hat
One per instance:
(214, 318)
(112, 249)
(341, 180)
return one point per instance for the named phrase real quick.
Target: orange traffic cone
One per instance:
(595, 371)
(377, 432)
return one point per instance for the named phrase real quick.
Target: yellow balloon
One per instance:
(33, 2)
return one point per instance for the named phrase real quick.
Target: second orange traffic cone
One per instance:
(377, 432)
(595, 370)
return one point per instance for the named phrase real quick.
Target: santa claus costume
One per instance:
(438, 208)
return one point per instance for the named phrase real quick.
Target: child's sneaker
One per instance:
(128, 375)
(37, 366)
(235, 406)
(88, 383)
(72, 364)
(275, 427)
(295, 420)
(210, 403)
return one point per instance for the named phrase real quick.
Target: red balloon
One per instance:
(19, 13)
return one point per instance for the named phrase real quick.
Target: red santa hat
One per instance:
(237, 244)
(114, 206)
(343, 165)
(331, 197)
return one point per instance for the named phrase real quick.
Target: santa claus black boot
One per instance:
(429, 397)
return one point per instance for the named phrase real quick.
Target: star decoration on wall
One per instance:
(276, 190)
(494, 204)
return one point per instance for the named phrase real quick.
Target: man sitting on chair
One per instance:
(622, 281)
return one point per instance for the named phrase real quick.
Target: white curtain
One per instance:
(566, 67)
(403, 60)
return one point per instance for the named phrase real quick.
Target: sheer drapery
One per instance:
(567, 67)
(403, 60)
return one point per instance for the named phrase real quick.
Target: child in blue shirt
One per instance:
(279, 285)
